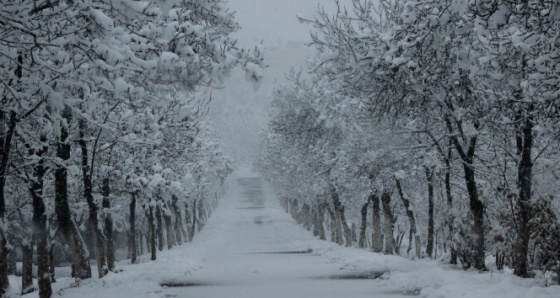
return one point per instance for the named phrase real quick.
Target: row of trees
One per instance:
(444, 111)
(101, 117)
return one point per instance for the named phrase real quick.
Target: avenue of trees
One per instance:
(427, 128)
(104, 131)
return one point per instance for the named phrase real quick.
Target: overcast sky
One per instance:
(238, 111)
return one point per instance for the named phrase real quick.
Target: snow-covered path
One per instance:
(254, 249)
(251, 248)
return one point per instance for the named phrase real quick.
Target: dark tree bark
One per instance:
(475, 204)
(80, 264)
(453, 258)
(106, 190)
(339, 209)
(412, 237)
(376, 219)
(194, 222)
(294, 209)
(93, 209)
(132, 223)
(306, 217)
(27, 268)
(178, 220)
(336, 234)
(319, 220)
(159, 226)
(51, 264)
(524, 141)
(430, 180)
(169, 230)
(363, 226)
(388, 224)
(188, 219)
(5, 149)
(152, 232)
(40, 224)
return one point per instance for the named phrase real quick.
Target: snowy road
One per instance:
(251, 248)
(254, 249)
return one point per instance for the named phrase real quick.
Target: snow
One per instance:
(231, 258)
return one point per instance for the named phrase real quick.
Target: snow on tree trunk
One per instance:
(80, 265)
(388, 223)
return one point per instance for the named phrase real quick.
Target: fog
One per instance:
(240, 112)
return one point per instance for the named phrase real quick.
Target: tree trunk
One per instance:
(132, 223)
(186, 231)
(315, 224)
(80, 265)
(376, 219)
(363, 226)
(5, 149)
(51, 266)
(412, 237)
(306, 217)
(108, 225)
(178, 220)
(475, 204)
(194, 221)
(152, 232)
(159, 226)
(95, 226)
(430, 180)
(320, 221)
(453, 258)
(388, 225)
(27, 268)
(524, 140)
(339, 208)
(169, 230)
(40, 225)
(335, 227)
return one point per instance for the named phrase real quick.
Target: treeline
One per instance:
(104, 129)
(427, 124)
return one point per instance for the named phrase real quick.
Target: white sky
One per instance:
(238, 111)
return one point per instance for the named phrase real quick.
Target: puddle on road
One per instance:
(251, 207)
(186, 284)
(285, 252)
(410, 292)
(247, 182)
(355, 275)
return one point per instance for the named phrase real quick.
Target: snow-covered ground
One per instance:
(243, 252)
